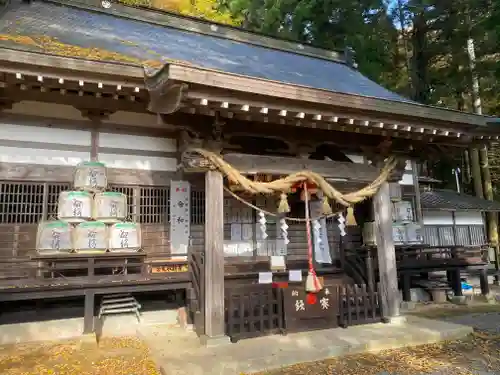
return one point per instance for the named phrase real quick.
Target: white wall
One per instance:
(126, 151)
(43, 145)
(469, 218)
(445, 218)
(358, 159)
(56, 135)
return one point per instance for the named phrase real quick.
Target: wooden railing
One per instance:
(258, 309)
(85, 269)
(416, 256)
(358, 305)
(253, 310)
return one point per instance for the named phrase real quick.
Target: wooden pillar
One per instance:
(454, 228)
(88, 315)
(418, 205)
(492, 216)
(476, 172)
(386, 253)
(214, 255)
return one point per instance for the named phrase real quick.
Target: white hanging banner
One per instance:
(320, 240)
(180, 209)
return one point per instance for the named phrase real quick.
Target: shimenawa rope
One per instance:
(284, 185)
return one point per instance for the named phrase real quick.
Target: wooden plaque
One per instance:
(169, 268)
(307, 311)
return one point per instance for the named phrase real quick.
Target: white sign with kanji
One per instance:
(180, 211)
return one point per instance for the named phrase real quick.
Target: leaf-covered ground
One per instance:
(478, 354)
(117, 356)
(471, 356)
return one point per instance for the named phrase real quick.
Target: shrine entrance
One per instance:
(269, 289)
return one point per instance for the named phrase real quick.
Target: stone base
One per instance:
(88, 341)
(396, 320)
(439, 295)
(460, 300)
(489, 298)
(210, 342)
(408, 305)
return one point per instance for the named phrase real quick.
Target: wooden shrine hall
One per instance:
(250, 128)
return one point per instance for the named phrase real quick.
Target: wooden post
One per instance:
(386, 253)
(214, 258)
(492, 216)
(454, 228)
(418, 205)
(476, 172)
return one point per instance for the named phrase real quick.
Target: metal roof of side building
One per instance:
(449, 200)
(57, 29)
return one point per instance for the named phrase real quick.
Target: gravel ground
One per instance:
(475, 355)
(487, 322)
(117, 356)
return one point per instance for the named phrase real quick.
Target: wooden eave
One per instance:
(210, 92)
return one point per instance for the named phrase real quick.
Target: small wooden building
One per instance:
(451, 218)
(135, 88)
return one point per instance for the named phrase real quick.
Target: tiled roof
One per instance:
(449, 200)
(61, 30)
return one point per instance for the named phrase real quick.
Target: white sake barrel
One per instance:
(414, 233)
(90, 237)
(398, 234)
(125, 237)
(54, 237)
(74, 206)
(90, 176)
(110, 207)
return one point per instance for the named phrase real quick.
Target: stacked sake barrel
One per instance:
(90, 219)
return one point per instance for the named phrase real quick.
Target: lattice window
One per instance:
(154, 205)
(197, 207)
(53, 191)
(21, 203)
(129, 191)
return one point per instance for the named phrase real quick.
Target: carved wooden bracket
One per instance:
(167, 99)
(165, 95)
(189, 139)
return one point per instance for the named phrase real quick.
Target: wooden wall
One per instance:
(40, 145)
(37, 163)
(439, 230)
